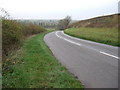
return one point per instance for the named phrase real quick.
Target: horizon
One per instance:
(72, 19)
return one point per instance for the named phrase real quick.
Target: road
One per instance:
(94, 64)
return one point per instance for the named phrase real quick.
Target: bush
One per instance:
(14, 33)
(30, 29)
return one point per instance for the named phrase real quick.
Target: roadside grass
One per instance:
(34, 66)
(102, 35)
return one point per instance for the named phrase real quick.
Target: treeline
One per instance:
(48, 25)
(43, 23)
(14, 33)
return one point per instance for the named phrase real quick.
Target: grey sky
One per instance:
(57, 9)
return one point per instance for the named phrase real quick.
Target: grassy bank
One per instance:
(102, 35)
(34, 66)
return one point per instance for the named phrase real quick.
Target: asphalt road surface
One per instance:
(95, 64)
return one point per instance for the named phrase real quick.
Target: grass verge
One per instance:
(34, 66)
(102, 35)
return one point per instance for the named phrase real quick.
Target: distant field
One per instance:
(101, 35)
(50, 29)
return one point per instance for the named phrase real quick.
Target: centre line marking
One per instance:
(86, 46)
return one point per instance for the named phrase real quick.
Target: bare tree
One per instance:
(63, 24)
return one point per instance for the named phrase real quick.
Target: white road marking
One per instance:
(68, 40)
(86, 46)
(57, 35)
(88, 41)
(109, 55)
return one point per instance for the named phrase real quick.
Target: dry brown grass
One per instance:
(109, 21)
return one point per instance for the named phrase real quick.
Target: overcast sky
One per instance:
(58, 9)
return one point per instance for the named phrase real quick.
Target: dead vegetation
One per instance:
(108, 21)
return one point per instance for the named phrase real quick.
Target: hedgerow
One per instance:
(14, 33)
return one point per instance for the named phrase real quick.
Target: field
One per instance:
(102, 35)
(34, 66)
(108, 21)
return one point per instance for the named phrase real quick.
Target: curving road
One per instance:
(95, 64)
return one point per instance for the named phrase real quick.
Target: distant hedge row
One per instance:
(14, 33)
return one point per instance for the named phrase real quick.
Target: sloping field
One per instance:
(102, 21)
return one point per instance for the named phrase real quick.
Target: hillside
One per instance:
(102, 21)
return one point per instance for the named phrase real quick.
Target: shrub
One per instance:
(14, 33)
